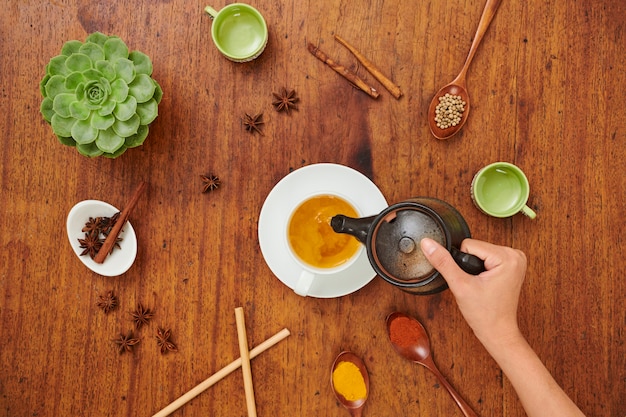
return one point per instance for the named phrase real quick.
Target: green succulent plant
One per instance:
(99, 97)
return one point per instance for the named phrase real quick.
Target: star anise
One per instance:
(91, 244)
(92, 225)
(107, 302)
(95, 227)
(210, 183)
(164, 342)
(125, 343)
(141, 316)
(285, 100)
(107, 223)
(116, 244)
(253, 123)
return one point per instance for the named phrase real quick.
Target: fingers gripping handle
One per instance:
(469, 263)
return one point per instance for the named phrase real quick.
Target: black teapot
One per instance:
(392, 241)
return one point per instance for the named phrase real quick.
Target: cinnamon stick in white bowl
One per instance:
(109, 242)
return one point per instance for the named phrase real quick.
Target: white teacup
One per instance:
(312, 243)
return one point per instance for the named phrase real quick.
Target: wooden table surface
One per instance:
(547, 94)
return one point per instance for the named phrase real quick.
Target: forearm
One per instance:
(537, 390)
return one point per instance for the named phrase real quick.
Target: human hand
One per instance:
(488, 301)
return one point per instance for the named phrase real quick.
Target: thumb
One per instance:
(440, 258)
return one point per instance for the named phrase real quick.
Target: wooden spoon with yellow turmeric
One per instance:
(350, 382)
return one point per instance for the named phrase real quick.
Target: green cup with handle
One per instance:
(501, 190)
(239, 31)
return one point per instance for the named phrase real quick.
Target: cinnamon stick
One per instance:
(386, 82)
(344, 72)
(245, 361)
(117, 228)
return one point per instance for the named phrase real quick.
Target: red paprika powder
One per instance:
(404, 332)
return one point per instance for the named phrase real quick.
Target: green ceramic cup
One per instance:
(501, 190)
(239, 31)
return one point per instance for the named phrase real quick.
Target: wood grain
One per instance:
(546, 88)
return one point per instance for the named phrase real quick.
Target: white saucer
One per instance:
(121, 259)
(292, 189)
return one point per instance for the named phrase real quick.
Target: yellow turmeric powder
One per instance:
(348, 381)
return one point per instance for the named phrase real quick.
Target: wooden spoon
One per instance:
(458, 86)
(418, 351)
(354, 407)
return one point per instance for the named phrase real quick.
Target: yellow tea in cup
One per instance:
(312, 239)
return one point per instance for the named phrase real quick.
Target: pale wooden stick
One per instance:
(386, 82)
(245, 361)
(117, 228)
(204, 385)
(344, 72)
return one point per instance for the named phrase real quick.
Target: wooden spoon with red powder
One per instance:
(409, 338)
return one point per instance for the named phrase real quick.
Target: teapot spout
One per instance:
(359, 228)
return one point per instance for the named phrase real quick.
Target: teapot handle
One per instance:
(469, 263)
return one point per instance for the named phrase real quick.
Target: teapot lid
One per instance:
(395, 243)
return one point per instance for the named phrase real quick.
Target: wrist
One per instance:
(499, 339)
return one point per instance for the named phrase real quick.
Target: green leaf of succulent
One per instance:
(119, 90)
(148, 111)
(90, 149)
(46, 109)
(102, 122)
(142, 62)
(116, 153)
(107, 108)
(93, 74)
(93, 51)
(125, 70)
(158, 92)
(71, 47)
(79, 111)
(83, 132)
(142, 88)
(55, 86)
(106, 85)
(126, 109)
(79, 91)
(107, 69)
(56, 66)
(78, 62)
(61, 104)
(62, 126)
(42, 84)
(108, 141)
(66, 140)
(138, 138)
(126, 128)
(115, 48)
(74, 80)
(97, 38)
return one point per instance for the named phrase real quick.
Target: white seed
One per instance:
(449, 111)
